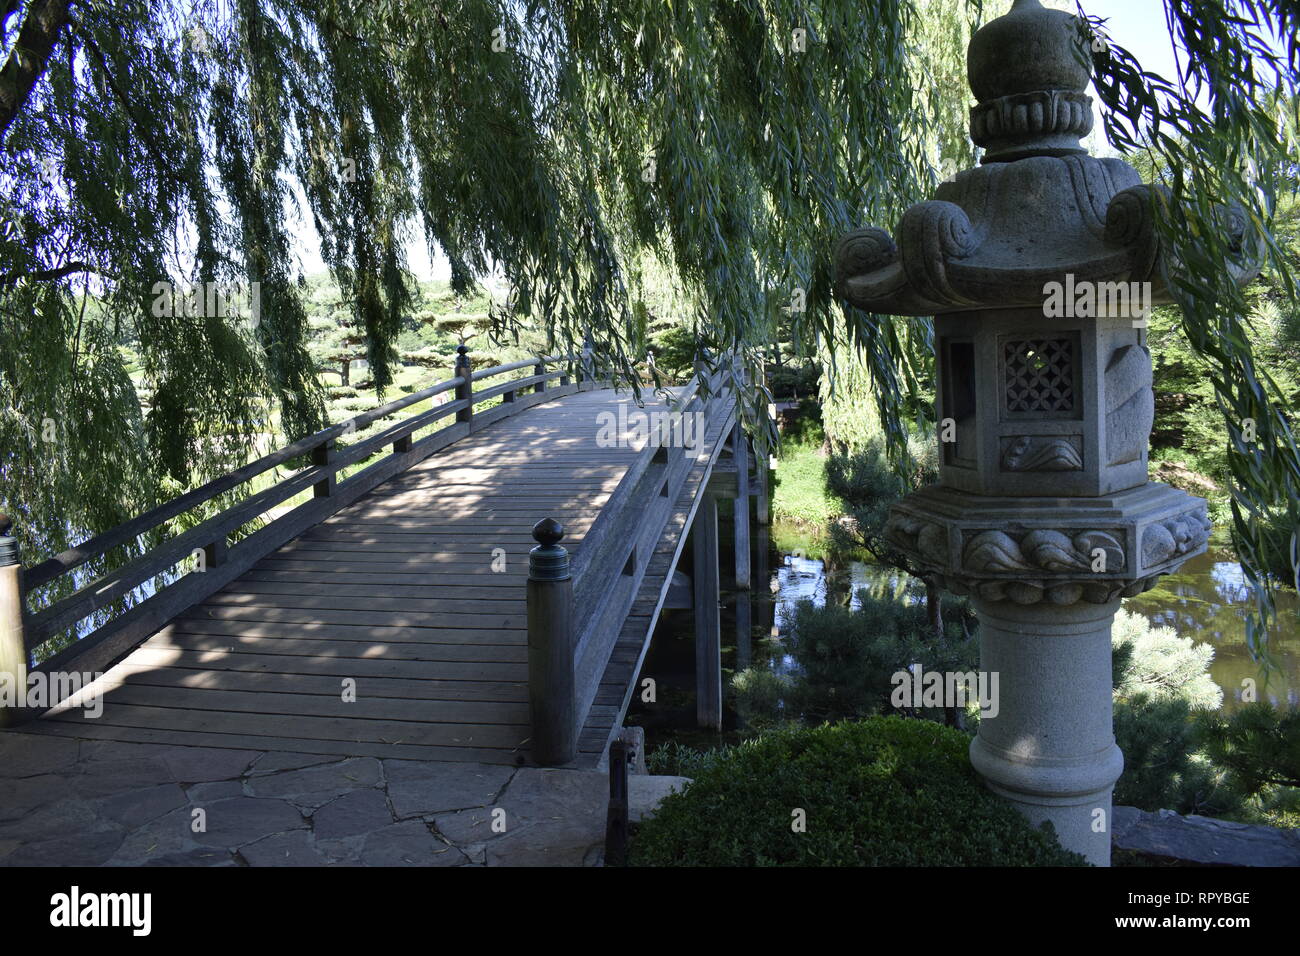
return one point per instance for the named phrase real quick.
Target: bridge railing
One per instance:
(152, 585)
(576, 607)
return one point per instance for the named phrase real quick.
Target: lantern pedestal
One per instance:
(1050, 750)
(1045, 576)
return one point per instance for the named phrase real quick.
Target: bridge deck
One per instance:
(414, 596)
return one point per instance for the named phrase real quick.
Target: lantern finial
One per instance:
(1029, 70)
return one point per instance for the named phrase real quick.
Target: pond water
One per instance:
(1207, 600)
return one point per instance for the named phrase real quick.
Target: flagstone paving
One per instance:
(102, 803)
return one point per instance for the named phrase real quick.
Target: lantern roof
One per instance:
(1036, 209)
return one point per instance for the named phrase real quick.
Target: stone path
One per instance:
(90, 803)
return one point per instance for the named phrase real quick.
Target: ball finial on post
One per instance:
(549, 561)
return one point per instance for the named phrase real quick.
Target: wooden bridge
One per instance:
(393, 613)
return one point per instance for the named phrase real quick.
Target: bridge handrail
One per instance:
(210, 535)
(571, 637)
(597, 540)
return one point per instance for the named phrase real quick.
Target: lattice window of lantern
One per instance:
(1039, 375)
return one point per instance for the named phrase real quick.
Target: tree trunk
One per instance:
(952, 714)
(40, 31)
(933, 608)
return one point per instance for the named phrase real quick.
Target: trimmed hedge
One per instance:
(885, 791)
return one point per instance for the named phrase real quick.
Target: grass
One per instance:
(800, 493)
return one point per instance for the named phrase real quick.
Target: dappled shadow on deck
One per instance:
(395, 628)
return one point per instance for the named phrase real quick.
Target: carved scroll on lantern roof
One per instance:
(1039, 206)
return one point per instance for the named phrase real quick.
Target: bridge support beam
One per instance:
(708, 619)
(740, 454)
(762, 498)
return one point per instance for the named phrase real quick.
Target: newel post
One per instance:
(551, 694)
(13, 648)
(465, 387)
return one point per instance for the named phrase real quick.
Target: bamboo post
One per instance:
(13, 647)
(551, 694)
(465, 388)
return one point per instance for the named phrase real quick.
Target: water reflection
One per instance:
(1208, 600)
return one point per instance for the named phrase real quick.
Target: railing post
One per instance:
(551, 694)
(216, 552)
(587, 370)
(13, 647)
(540, 369)
(465, 390)
(616, 817)
(322, 455)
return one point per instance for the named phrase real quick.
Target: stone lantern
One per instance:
(1039, 266)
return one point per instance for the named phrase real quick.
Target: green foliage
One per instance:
(1155, 661)
(804, 426)
(1259, 745)
(1163, 769)
(675, 351)
(1162, 682)
(886, 791)
(846, 658)
(799, 491)
(1224, 168)
(676, 759)
(761, 697)
(566, 143)
(1279, 539)
(794, 381)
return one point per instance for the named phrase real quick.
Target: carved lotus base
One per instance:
(1058, 550)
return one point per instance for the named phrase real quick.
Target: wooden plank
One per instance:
(327, 601)
(495, 658)
(433, 671)
(348, 729)
(741, 458)
(496, 622)
(346, 632)
(517, 756)
(377, 687)
(366, 706)
(260, 583)
(391, 583)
